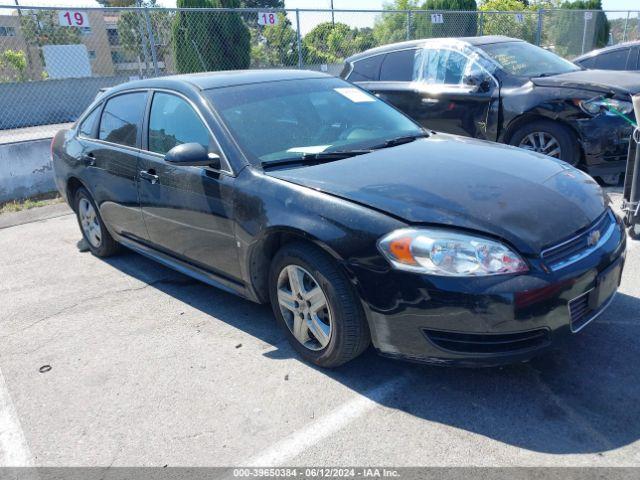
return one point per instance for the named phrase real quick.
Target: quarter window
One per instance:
(88, 124)
(173, 122)
(122, 118)
(367, 69)
(398, 66)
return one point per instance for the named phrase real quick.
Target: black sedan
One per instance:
(357, 225)
(507, 90)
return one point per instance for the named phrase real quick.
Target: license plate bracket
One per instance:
(607, 283)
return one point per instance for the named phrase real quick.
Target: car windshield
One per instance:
(295, 119)
(525, 60)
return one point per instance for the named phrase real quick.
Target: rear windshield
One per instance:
(525, 60)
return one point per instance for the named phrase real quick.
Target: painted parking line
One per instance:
(14, 450)
(290, 447)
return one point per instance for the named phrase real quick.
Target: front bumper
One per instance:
(487, 320)
(605, 143)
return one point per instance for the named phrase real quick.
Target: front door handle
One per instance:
(430, 100)
(150, 176)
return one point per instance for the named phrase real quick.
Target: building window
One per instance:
(7, 32)
(113, 37)
(118, 57)
(92, 54)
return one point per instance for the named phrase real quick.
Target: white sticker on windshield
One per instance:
(309, 149)
(355, 95)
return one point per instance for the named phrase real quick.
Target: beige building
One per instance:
(101, 38)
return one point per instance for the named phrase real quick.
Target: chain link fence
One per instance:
(53, 61)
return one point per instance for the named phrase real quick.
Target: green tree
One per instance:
(40, 27)
(463, 22)
(15, 60)
(274, 45)
(332, 43)
(210, 41)
(262, 3)
(390, 27)
(506, 23)
(567, 28)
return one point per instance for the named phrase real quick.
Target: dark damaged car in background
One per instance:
(507, 90)
(358, 226)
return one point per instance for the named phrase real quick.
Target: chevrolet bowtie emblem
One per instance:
(593, 238)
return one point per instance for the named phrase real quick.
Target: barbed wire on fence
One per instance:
(60, 57)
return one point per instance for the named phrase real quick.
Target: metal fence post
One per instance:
(299, 39)
(481, 23)
(539, 31)
(584, 31)
(152, 43)
(624, 32)
(409, 24)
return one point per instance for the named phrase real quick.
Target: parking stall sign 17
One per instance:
(73, 18)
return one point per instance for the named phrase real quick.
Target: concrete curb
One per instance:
(37, 214)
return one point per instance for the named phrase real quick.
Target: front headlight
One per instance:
(447, 253)
(598, 105)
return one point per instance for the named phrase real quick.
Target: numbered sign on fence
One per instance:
(519, 18)
(437, 18)
(588, 15)
(267, 18)
(73, 18)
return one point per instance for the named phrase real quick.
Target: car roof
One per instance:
(473, 41)
(611, 48)
(211, 80)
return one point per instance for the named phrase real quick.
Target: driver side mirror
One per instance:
(192, 155)
(480, 83)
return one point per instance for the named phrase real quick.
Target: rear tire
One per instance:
(94, 232)
(344, 333)
(556, 136)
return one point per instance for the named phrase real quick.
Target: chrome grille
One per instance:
(581, 245)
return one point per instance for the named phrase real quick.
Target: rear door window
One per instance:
(616, 60)
(121, 119)
(367, 69)
(632, 61)
(398, 66)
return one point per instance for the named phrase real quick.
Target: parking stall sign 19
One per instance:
(73, 18)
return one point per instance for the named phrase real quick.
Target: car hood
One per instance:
(529, 200)
(596, 80)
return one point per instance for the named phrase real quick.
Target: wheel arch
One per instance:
(265, 247)
(72, 186)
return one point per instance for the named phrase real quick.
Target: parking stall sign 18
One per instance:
(267, 18)
(73, 18)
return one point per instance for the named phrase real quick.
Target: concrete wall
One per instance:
(25, 169)
(49, 101)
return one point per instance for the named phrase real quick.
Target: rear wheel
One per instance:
(316, 306)
(100, 242)
(549, 138)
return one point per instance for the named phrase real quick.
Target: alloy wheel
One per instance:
(304, 307)
(90, 223)
(542, 142)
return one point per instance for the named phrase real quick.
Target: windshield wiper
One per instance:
(394, 142)
(314, 158)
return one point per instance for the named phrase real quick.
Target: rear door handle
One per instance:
(88, 159)
(150, 176)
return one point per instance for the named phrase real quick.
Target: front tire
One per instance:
(100, 242)
(316, 306)
(549, 138)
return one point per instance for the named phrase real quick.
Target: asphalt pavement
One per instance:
(125, 362)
